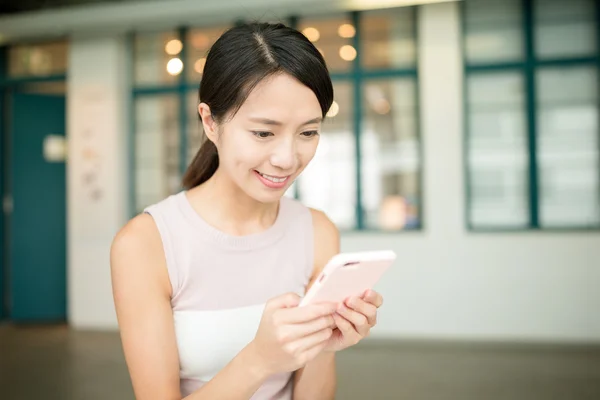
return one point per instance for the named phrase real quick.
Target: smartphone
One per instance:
(347, 275)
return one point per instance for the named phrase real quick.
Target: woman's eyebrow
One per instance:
(268, 121)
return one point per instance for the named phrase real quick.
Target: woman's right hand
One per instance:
(288, 336)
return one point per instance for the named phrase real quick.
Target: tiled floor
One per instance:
(58, 364)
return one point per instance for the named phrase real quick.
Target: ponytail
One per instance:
(203, 166)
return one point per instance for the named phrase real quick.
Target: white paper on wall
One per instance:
(91, 140)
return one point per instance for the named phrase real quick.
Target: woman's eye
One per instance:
(261, 134)
(310, 133)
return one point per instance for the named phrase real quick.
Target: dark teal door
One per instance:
(37, 221)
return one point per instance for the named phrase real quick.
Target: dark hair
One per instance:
(241, 58)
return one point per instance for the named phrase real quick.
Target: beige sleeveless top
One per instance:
(221, 283)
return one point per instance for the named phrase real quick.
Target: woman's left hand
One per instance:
(354, 320)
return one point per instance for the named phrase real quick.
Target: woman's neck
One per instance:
(222, 204)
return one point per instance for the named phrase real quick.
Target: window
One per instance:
(333, 38)
(497, 149)
(494, 31)
(388, 39)
(531, 91)
(37, 60)
(567, 121)
(195, 131)
(373, 182)
(366, 173)
(167, 133)
(156, 58)
(329, 182)
(390, 154)
(565, 29)
(199, 41)
(157, 148)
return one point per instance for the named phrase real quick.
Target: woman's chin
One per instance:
(267, 195)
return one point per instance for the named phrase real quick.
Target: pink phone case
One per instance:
(349, 274)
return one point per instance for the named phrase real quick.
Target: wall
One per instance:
(97, 184)
(448, 283)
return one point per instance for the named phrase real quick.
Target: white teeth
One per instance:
(272, 178)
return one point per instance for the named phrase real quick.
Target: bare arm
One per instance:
(317, 380)
(142, 292)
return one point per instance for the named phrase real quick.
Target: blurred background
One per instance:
(464, 135)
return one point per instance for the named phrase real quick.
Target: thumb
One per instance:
(284, 301)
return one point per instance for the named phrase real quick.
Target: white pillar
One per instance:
(97, 173)
(441, 105)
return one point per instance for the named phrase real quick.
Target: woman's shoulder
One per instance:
(139, 236)
(136, 254)
(322, 224)
(326, 240)
(142, 231)
(138, 232)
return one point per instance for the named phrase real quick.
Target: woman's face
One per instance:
(271, 139)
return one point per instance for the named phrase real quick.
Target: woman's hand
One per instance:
(288, 336)
(354, 320)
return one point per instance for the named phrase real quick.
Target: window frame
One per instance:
(527, 68)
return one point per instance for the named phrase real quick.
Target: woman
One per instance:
(206, 281)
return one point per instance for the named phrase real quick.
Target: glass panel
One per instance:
(156, 149)
(42, 59)
(52, 88)
(388, 38)
(333, 38)
(199, 41)
(329, 181)
(565, 29)
(493, 31)
(156, 58)
(195, 131)
(568, 146)
(390, 155)
(497, 144)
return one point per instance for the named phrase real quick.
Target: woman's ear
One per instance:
(210, 125)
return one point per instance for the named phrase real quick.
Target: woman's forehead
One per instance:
(282, 96)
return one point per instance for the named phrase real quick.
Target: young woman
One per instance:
(206, 282)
